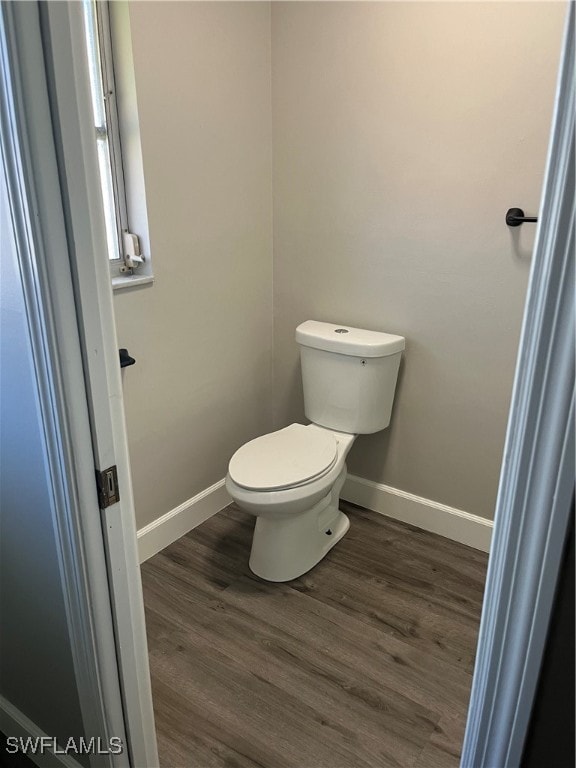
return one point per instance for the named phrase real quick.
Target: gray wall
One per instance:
(202, 335)
(36, 666)
(402, 132)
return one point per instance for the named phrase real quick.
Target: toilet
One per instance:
(291, 479)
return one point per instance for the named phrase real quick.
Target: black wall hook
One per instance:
(515, 217)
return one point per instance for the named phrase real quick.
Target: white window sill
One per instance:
(121, 283)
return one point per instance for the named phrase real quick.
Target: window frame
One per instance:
(112, 121)
(98, 14)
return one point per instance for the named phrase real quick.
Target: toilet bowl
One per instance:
(291, 479)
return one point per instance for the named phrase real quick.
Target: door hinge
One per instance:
(107, 486)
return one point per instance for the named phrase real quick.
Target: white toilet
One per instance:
(291, 479)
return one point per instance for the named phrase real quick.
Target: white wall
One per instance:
(202, 334)
(402, 133)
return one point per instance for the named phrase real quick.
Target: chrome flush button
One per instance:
(341, 330)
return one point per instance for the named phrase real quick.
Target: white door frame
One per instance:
(39, 233)
(45, 73)
(68, 84)
(537, 481)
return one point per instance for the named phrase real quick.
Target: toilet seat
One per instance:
(284, 459)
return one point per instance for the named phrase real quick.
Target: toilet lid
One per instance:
(283, 459)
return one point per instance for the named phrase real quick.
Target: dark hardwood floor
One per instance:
(364, 661)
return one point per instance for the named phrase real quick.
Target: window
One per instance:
(123, 247)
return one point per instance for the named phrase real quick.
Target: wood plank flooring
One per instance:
(364, 662)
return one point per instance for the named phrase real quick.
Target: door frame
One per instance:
(68, 86)
(39, 235)
(53, 166)
(536, 489)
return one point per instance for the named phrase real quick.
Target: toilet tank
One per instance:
(348, 375)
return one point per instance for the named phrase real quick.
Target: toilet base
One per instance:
(287, 547)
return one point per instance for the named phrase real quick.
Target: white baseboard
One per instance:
(177, 522)
(429, 515)
(14, 723)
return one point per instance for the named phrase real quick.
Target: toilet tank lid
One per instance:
(348, 341)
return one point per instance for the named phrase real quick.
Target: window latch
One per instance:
(132, 252)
